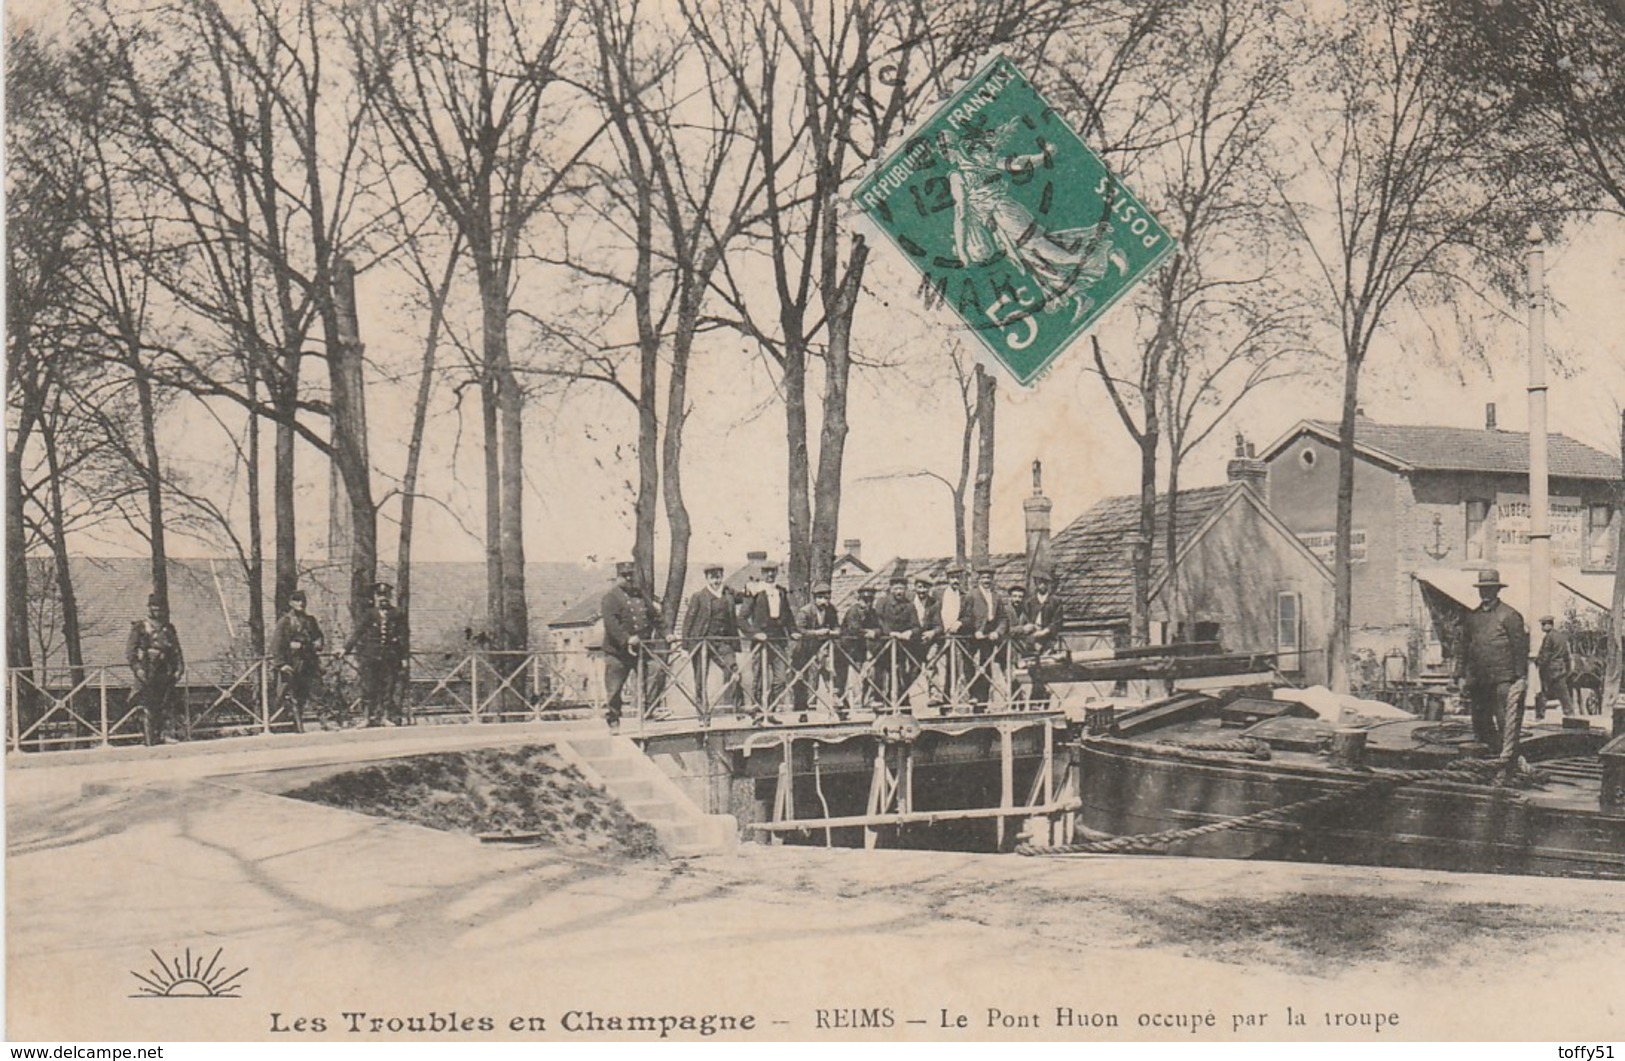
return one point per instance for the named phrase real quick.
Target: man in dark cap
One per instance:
(1493, 666)
(929, 645)
(860, 639)
(986, 619)
(817, 625)
(1555, 661)
(772, 621)
(630, 621)
(379, 645)
(894, 669)
(1046, 616)
(153, 651)
(296, 647)
(711, 632)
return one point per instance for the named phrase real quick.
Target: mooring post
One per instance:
(1007, 778)
(877, 794)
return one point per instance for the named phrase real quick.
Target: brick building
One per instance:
(1431, 505)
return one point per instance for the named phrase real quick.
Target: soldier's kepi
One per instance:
(1014, 222)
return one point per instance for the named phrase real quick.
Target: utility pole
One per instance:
(1616, 624)
(1540, 534)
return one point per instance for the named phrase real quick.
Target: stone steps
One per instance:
(618, 766)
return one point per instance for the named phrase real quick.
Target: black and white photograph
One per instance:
(882, 521)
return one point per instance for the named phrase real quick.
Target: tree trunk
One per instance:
(492, 438)
(18, 652)
(511, 404)
(256, 533)
(832, 436)
(68, 601)
(282, 486)
(982, 497)
(414, 447)
(1339, 652)
(1616, 626)
(154, 483)
(649, 457)
(1146, 530)
(349, 412)
(795, 421)
(1171, 543)
(677, 519)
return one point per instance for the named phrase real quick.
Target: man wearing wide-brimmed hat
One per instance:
(1493, 666)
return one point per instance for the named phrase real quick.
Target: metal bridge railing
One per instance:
(831, 677)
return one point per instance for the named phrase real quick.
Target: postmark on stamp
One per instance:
(1015, 223)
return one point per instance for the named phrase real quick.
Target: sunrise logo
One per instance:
(184, 978)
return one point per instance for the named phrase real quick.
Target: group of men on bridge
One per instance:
(378, 643)
(760, 646)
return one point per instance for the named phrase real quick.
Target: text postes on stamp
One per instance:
(1013, 220)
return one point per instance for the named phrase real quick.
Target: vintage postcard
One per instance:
(823, 520)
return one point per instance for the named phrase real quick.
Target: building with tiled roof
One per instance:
(1431, 503)
(1242, 578)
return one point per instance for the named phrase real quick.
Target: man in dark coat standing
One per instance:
(711, 630)
(1493, 667)
(296, 647)
(379, 645)
(772, 621)
(860, 639)
(1555, 661)
(153, 651)
(817, 624)
(931, 643)
(631, 621)
(1045, 615)
(986, 620)
(900, 623)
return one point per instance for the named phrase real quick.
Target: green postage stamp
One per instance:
(1015, 223)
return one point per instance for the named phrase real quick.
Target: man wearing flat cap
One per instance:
(772, 621)
(296, 647)
(711, 632)
(900, 623)
(954, 666)
(379, 645)
(153, 651)
(817, 625)
(1493, 667)
(860, 641)
(1555, 661)
(631, 621)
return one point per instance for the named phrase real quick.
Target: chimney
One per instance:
(853, 547)
(756, 556)
(1246, 468)
(1489, 416)
(1037, 510)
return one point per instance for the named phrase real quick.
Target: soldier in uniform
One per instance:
(157, 664)
(860, 639)
(772, 621)
(296, 647)
(1555, 661)
(630, 622)
(817, 624)
(379, 646)
(986, 621)
(711, 628)
(1493, 667)
(894, 669)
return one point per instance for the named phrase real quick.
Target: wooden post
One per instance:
(1007, 778)
(877, 791)
(1049, 779)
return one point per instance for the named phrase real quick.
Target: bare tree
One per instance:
(1405, 163)
(461, 91)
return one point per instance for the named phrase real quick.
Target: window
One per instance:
(1599, 543)
(1289, 632)
(1478, 534)
(1307, 456)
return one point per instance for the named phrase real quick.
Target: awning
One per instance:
(1571, 589)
